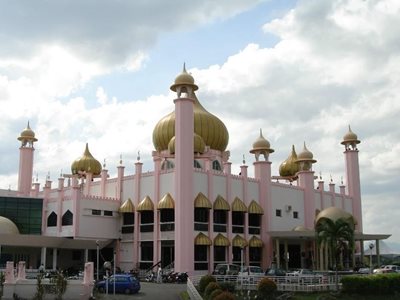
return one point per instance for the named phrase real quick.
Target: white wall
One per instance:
(253, 191)
(237, 189)
(147, 187)
(219, 183)
(128, 187)
(167, 184)
(200, 184)
(281, 197)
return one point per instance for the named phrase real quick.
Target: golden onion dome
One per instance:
(211, 129)
(350, 137)
(184, 79)
(261, 144)
(334, 213)
(87, 163)
(198, 144)
(7, 226)
(27, 134)
(289, 167)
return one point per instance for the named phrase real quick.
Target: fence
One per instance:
(283, 283)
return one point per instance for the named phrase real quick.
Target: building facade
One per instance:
(191, 211)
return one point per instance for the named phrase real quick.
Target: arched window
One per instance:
(67, 218)
(167, 165)
(216, 165)
(197, 165)
(52, 220)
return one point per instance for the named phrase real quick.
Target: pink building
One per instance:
(191, 211)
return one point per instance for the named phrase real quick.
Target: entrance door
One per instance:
(167, 253)
(294, 256)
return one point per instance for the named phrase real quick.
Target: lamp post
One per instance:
(371, 246)
(241, 266)
(114, 272)
(97, 259)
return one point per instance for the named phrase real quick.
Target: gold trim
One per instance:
(221, 240)
(238, 205)
(239, 241)
(127, 207)
(255, 242)
(221, 204)
(202, 201)
(145, 205)
(202, 239)
(255, 208)
(167, 202)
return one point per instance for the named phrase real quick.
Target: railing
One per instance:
(192, 291)
(284, 283)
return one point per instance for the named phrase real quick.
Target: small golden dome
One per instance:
(87, 163)
(184, 79)
(198, 144)
(305, 155)
(289, 167)
(27, 134)
(211, 129)
(350, 137)
(334, 214)
(261, 144)
(7, 226)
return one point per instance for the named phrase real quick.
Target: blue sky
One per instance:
(100, 71)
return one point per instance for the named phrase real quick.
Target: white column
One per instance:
(43, 256)
(55, 250)
(86, 255)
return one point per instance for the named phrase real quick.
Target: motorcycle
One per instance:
(182, 277)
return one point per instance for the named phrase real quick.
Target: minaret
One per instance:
(183, 186)
(350, 142)
(26, 150)
(262, 172)
(305, 159)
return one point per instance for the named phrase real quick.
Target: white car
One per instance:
(250, 274)
(392, 267)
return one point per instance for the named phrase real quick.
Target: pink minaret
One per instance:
(26, 150)
(262, 172)
(353, 174)
(184, 155)
(306, 181)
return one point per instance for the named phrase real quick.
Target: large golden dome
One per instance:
(87, 163)
(27, 134)
(211, 129)
(334, 214)
(289, 167)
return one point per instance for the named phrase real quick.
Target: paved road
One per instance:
(150, 291)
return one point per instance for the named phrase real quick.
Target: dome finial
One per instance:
(184, 68)
(244, 161)
(138, 156)
(120, 159)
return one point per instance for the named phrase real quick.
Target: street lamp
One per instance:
(371, 246)
(97, 259)
(241, 266)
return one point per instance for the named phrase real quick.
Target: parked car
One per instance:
(226, 269)
(383, 271)
(275, 272)
(303, 276)
(364, 271)
(393, 267)
(250, 274)
(124, 283)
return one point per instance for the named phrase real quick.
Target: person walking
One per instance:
(159, 275)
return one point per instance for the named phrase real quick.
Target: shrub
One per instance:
(266, 289)
(371, 285)
(225, 296)
(204, 281)
(212, 286)
(228, 286)
(214, 294)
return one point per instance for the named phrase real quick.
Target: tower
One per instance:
(184, 155)
(350, 142)
(27, 138)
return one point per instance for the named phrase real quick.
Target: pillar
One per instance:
(306, 181)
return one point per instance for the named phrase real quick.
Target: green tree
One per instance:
(337, 235)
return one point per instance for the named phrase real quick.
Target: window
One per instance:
(197, 165)
(201, 214)
(108, 213)
(167, 165)
(146, 221)
(128, 218)
(220, 216)
(216, 165)
(296, 214)
(96, 212)
(52, 220)
(278, 213)
(167, 218)
(67, 218)
(146, 253)
(200, 257)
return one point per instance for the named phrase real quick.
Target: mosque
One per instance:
(190, 212)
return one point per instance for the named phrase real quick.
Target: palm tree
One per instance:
(337, 235)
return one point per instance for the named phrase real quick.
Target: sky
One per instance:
(99, 72)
